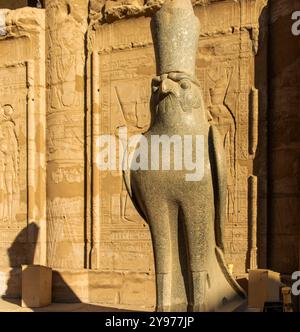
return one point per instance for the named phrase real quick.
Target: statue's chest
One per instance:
(175, 158)
(191, 143)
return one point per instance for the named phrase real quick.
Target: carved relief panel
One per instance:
(22, 140)
(66, 26)
(124, 79)
(123, 66)
(226, 78)
(13, 156)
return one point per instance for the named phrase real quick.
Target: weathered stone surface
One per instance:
(179, 208)
(65, 31)
(36, 286)
(112, 10)
(225, 66)
(111, 287)
(284, 139)
(11, 283)
(90, 286)
(99, 68)
(22, 139)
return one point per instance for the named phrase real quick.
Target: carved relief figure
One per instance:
(68, 59)
(224, 120)
(133, 103)
(9, 167)
(186, 218)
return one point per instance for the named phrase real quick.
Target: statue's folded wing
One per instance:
(219, 174)
(127, 180)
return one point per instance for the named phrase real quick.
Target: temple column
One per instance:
(66, 27)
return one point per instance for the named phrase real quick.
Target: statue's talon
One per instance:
(197, 308)
(163, 282)
(199, 291)
(162, 308)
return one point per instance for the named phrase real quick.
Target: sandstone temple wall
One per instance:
(284, 139)
(121, 51)
(65, 40)
(85, 71)
(23, 145)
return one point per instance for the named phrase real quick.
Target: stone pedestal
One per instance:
(36, 286)
(264, 286)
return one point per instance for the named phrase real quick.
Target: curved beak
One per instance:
(168, 86)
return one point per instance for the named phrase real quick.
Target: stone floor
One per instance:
(12, 305)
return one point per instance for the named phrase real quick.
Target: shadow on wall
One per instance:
(61, 292)
(15, 4)
(284, 144)
(277, 161)
(22, 252)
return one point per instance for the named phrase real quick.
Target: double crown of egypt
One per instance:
(176, 31)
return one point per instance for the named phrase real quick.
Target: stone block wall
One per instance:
(284, 139)
(85, 71)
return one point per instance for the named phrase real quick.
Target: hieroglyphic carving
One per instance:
(226, 88)
(21, 192)
(13, 132)
(67, 22)
(24, 42)
(224, 119)
(69, 175)
(9, 167)
(229, 41)
(121, 106)
(253, 221)
(225, 68)
(94, 253)
(253, 121)
(64, 229)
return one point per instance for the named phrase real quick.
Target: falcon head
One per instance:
(176, 90)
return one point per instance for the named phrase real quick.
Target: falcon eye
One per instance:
(185, 84)
(155, 88)
(155, 84)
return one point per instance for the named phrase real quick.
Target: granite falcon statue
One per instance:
(186, 218)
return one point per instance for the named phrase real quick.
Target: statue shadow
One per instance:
(23, 251)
